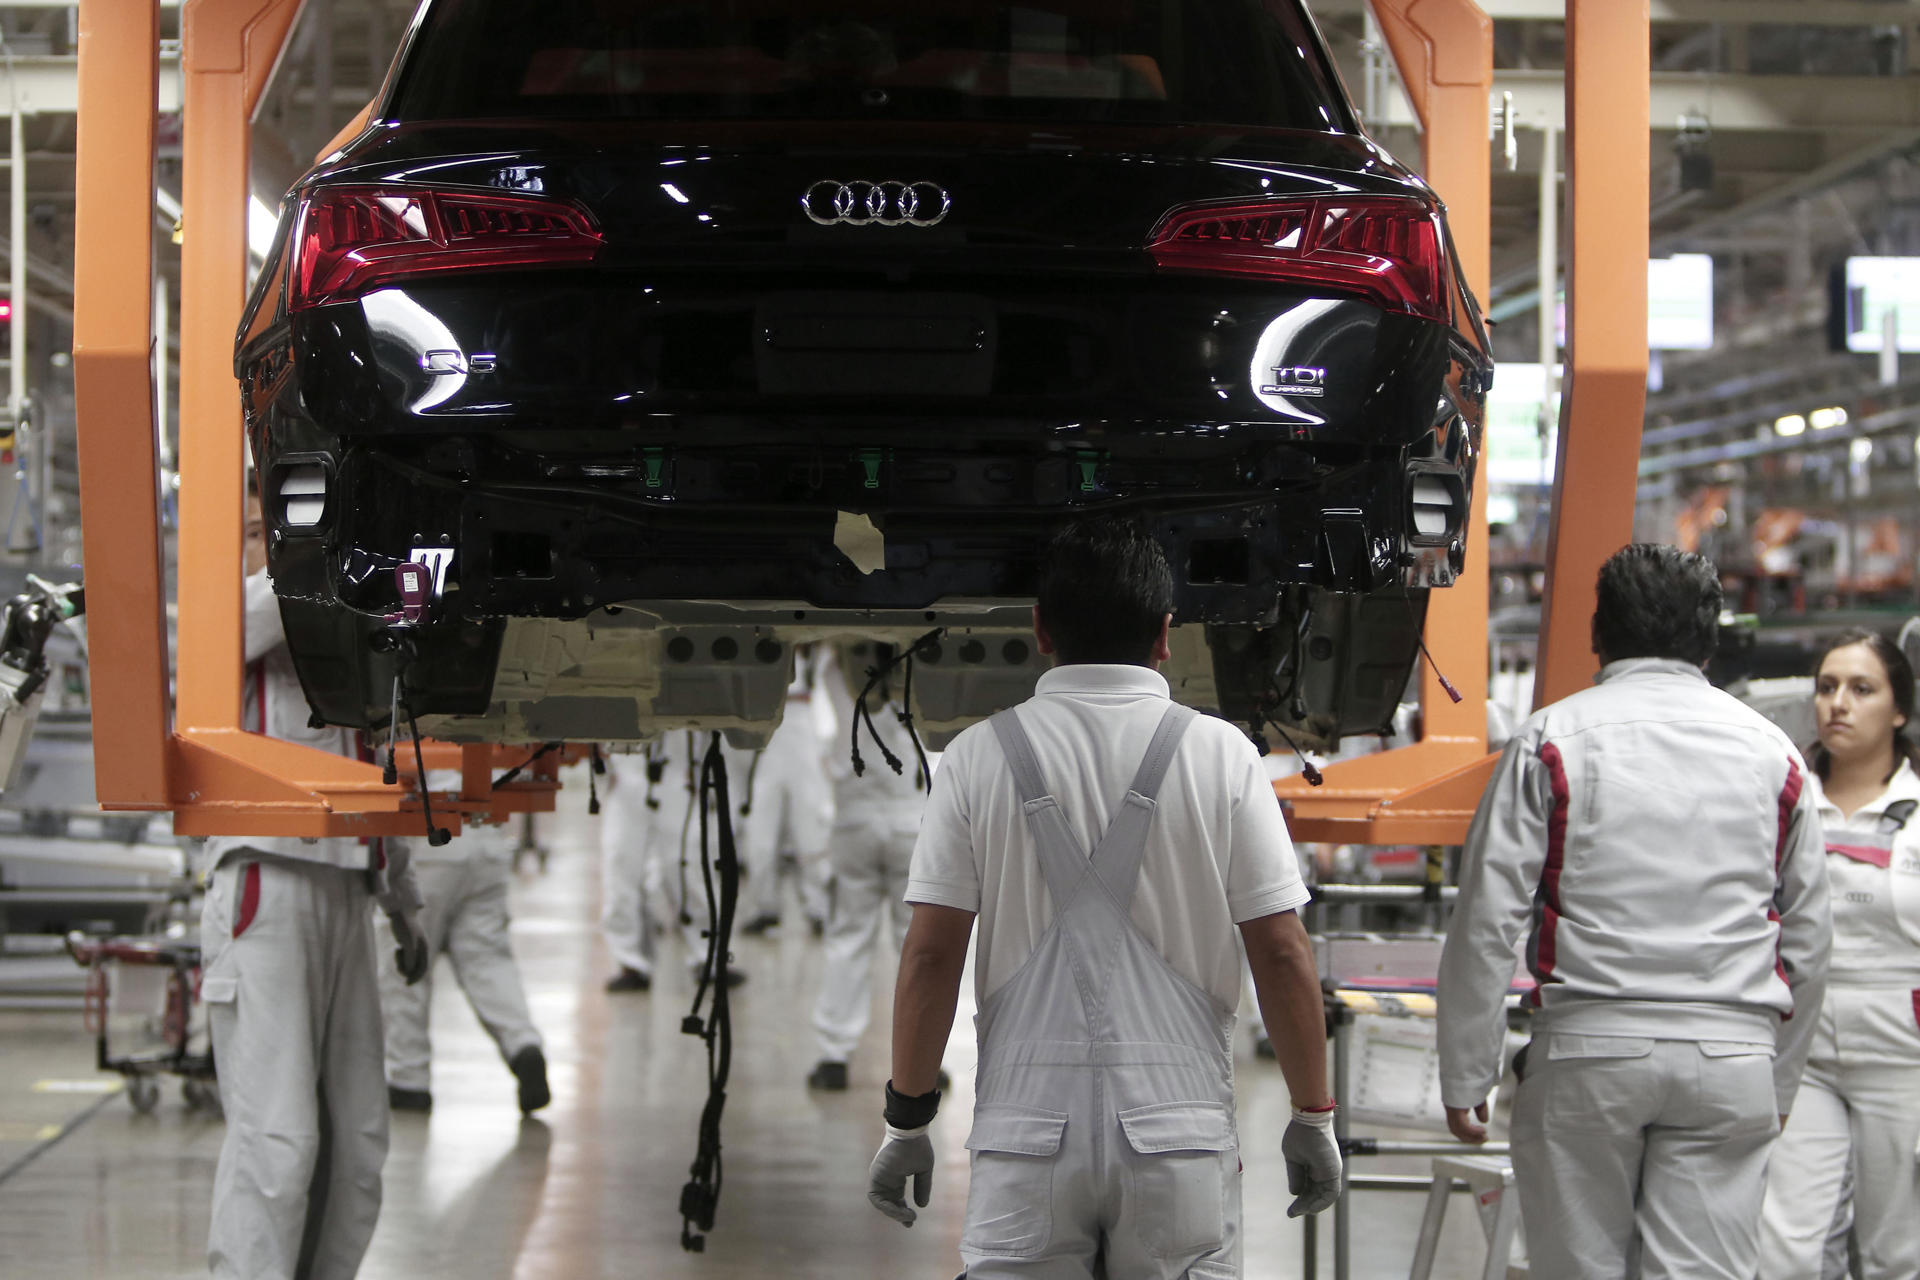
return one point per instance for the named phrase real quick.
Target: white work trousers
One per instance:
(640, 874)
(870, 849)
(1858, 1106)
(647, 856)
(294, 1011)
(790, 809)
(1643, 1158)
(464, 916)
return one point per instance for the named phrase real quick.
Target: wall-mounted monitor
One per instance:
(1680, 302)
(1863, 291)
(1515, 452)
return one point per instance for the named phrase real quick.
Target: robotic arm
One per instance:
(28, 620)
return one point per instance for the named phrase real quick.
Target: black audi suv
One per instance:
(670, 334)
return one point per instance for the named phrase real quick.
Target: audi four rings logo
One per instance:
(876, 204)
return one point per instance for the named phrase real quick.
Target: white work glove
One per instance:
(1313, 1161)
(906, 1154)
(410, 952)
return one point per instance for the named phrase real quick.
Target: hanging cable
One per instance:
(753, 771)
(1307, 766)
(923, 780)
(545, 749)
(598, 766)
(436, 835)
(1420, 633)
(700, 1197)
(876, 675)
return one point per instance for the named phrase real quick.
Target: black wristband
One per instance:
(904, 1112)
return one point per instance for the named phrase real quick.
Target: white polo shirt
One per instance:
(1217, 853)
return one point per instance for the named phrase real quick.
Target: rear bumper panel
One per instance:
(599, 351)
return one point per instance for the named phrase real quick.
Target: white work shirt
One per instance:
(1217, 855)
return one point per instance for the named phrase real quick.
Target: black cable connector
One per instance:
(1307, 767)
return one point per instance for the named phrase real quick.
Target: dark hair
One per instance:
(1899, 680)
(1657, 601)
(1104, 587)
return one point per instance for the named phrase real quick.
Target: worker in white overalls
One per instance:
(650, 855)
(1859, 1102)
(1655, 839)
(786, 805)
(463, 884)
(293, 1007)
(876, 818)
(1108, 840)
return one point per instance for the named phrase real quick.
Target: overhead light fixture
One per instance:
(1861, 450)
(1822, 419)
(1791, 425)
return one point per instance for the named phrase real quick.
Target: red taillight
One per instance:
(1390, 249)
(352, 238)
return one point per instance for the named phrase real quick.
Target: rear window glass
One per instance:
(1244, 62)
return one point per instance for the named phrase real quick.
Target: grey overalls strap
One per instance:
(1100, 1055)
(1876, 848)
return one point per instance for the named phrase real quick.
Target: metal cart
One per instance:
(142, 1005)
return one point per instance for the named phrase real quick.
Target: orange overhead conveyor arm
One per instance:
(1596, 473)
(119, 451)
(1444, 50)
(217, 778)
(1426, 793)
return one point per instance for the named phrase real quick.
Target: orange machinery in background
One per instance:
(192, 756)
(1425, 793)
(183, 749)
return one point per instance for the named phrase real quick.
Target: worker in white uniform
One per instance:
(1859, 1103)
(1107, 840)
(650, 855)
(463, 884)
(1657, 838)
(876, 818)
(293, 1007)
(788, 807)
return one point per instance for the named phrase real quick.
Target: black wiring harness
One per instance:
(700, 1197)
(877, 677)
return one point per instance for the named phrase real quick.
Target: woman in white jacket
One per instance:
(1859, 1103)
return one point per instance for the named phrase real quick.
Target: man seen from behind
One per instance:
(1107, 840)
(1654, 839)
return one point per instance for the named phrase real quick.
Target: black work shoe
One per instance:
(831, 1076)
(1263, 1048)
(629, 980)
(399, 1099)
(529, 1067)
(760, 924)
(944, 1081)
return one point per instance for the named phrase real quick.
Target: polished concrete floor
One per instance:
(590, 1188)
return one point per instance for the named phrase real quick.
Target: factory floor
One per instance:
(589, 1188)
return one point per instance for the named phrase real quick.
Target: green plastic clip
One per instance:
(870, 463)
(655, 461)
(1089, 464)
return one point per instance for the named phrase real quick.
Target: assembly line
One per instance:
(1172, 639)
